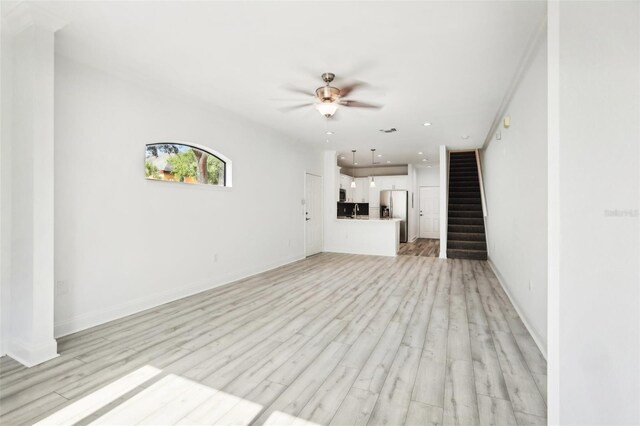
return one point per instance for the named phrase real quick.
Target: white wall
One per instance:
(124, 243)
(596, 171)
(5, 181)
(414, 202)
(428, 176)
(515, 182)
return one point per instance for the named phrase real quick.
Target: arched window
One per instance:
(187, 163)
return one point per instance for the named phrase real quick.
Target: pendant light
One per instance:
(353, 169)
(373, 170)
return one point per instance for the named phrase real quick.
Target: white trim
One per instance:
(29, 355)
(92, 319)
(444, 200)
(534, 335)
(304, 221)
(553, 212)
(228, 164)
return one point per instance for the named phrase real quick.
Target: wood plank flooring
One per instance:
(421, 247)
(334, 339)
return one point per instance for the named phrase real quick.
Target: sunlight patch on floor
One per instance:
(89, 404)
(278, 418)
(172, 400)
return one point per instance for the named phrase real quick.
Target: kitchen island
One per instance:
(361, 235)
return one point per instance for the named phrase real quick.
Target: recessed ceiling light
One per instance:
(355, 164)
(420, 153)
(388, 161)
(328, 132)
(465, 136)
(379, 155)
(342, 157)
(424, 159)
(427, 124)
(429, 166)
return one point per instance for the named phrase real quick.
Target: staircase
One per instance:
(465, 236)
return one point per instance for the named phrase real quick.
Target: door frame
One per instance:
(304, 208)
(419, 204)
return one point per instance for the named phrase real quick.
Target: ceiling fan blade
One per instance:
(347, 89)
(298, 90)
(358, 104)
(295, 107)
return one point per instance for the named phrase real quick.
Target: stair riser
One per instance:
(467, 245)
(466, 236)
(466, 221)
(457, 200)
(463, 172)
(463, 254)
(467, 214)
(465, 228)
(464, 207)
(464, 194)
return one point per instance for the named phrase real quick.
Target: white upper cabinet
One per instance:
(383, 183)
(361, 192)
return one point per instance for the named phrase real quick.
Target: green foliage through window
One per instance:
(183, 163)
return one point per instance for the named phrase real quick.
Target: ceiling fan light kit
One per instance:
(327, 108)
(329, 98)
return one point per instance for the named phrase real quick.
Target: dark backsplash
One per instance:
(346, 209)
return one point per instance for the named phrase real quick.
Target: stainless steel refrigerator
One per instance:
(394, 204)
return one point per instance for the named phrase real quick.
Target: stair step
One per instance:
(462, 200)
(464, 207)
(466, 236)
(466, 245)
(466, 221)
(476, 214)
(462, 178)
(473, 229)
(464, 194)
(467, 254)
(464, 187)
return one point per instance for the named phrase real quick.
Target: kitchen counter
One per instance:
(367, 218)
(379, 237)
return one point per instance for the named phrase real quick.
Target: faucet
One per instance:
(355, 211)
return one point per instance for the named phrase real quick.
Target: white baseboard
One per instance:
(30, 355)
(532, 332)
(95, 318)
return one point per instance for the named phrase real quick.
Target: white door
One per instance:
(429, 212)
(313, 214)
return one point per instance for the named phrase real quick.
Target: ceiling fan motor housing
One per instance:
(327, 93)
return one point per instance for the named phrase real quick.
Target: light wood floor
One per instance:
(334, 339)
(421, 247)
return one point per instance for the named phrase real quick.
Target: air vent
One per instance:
(391, 130)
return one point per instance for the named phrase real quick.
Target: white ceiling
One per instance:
(449, 63)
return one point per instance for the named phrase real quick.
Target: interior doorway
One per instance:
(313, 214)
(430, 212)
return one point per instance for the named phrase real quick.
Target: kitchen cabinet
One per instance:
(382, 183)
(361, 191)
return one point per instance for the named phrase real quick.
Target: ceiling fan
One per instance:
(327, 98)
